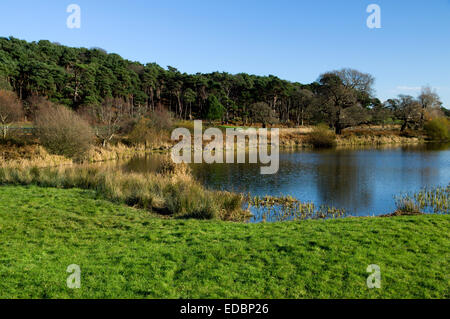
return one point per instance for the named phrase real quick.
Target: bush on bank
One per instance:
(438, 129)
(61, 131)
(322, 137)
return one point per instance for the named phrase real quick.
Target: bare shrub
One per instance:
(107, 118)
(33, 103)
(153, 131)
(10, 110)
(161, 120)
(62, 132)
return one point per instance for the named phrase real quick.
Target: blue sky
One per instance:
(295, 40)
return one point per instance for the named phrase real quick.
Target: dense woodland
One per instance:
(92, 79)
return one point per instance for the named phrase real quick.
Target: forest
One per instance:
(92, 80)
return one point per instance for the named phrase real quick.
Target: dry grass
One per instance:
(365, 135)
(349, 140)
(113, 152)
(37, 155)
(171, 190)
(30, 155)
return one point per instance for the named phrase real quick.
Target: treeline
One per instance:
(94, 82)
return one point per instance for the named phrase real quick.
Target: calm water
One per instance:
(363, 181)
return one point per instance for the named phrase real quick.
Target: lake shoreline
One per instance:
(289, 139)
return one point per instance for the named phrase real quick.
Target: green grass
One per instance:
(129, 253)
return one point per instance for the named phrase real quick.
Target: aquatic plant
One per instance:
(430, 200)
(283, 208)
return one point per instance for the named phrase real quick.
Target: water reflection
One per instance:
(361, 180)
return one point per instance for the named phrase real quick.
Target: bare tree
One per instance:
(354, 79)
(108, 117)
(10, 110)
(431, 104)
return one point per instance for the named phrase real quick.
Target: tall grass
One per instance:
(172, 192)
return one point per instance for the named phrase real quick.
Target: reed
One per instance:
(430, 200)
(284, 208)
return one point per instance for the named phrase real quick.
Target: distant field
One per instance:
(129, 253)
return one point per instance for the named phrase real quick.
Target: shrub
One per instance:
(32, 105)
(153, 131)
(322, 136)
(140, 134)
(161, 120)
(438, 129)
(10, 110)
(262, 112)
(62, 132)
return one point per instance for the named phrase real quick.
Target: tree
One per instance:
(215, 110)
(261, 112)
(354, 115)
(10, 110)
(354, 79)
(189, 97)
(445, 111)
(175, 86)
(407, 109)
(336, 97)
(438, 129)
(431, 104)
(379, 112)
(77, 77)
(303, 100)
(7, 71)
(108, 117)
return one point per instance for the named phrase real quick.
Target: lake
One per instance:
(361, 180)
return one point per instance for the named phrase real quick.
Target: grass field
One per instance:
(129, 253)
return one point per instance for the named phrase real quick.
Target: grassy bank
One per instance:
(170, 190)
(128, 253)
